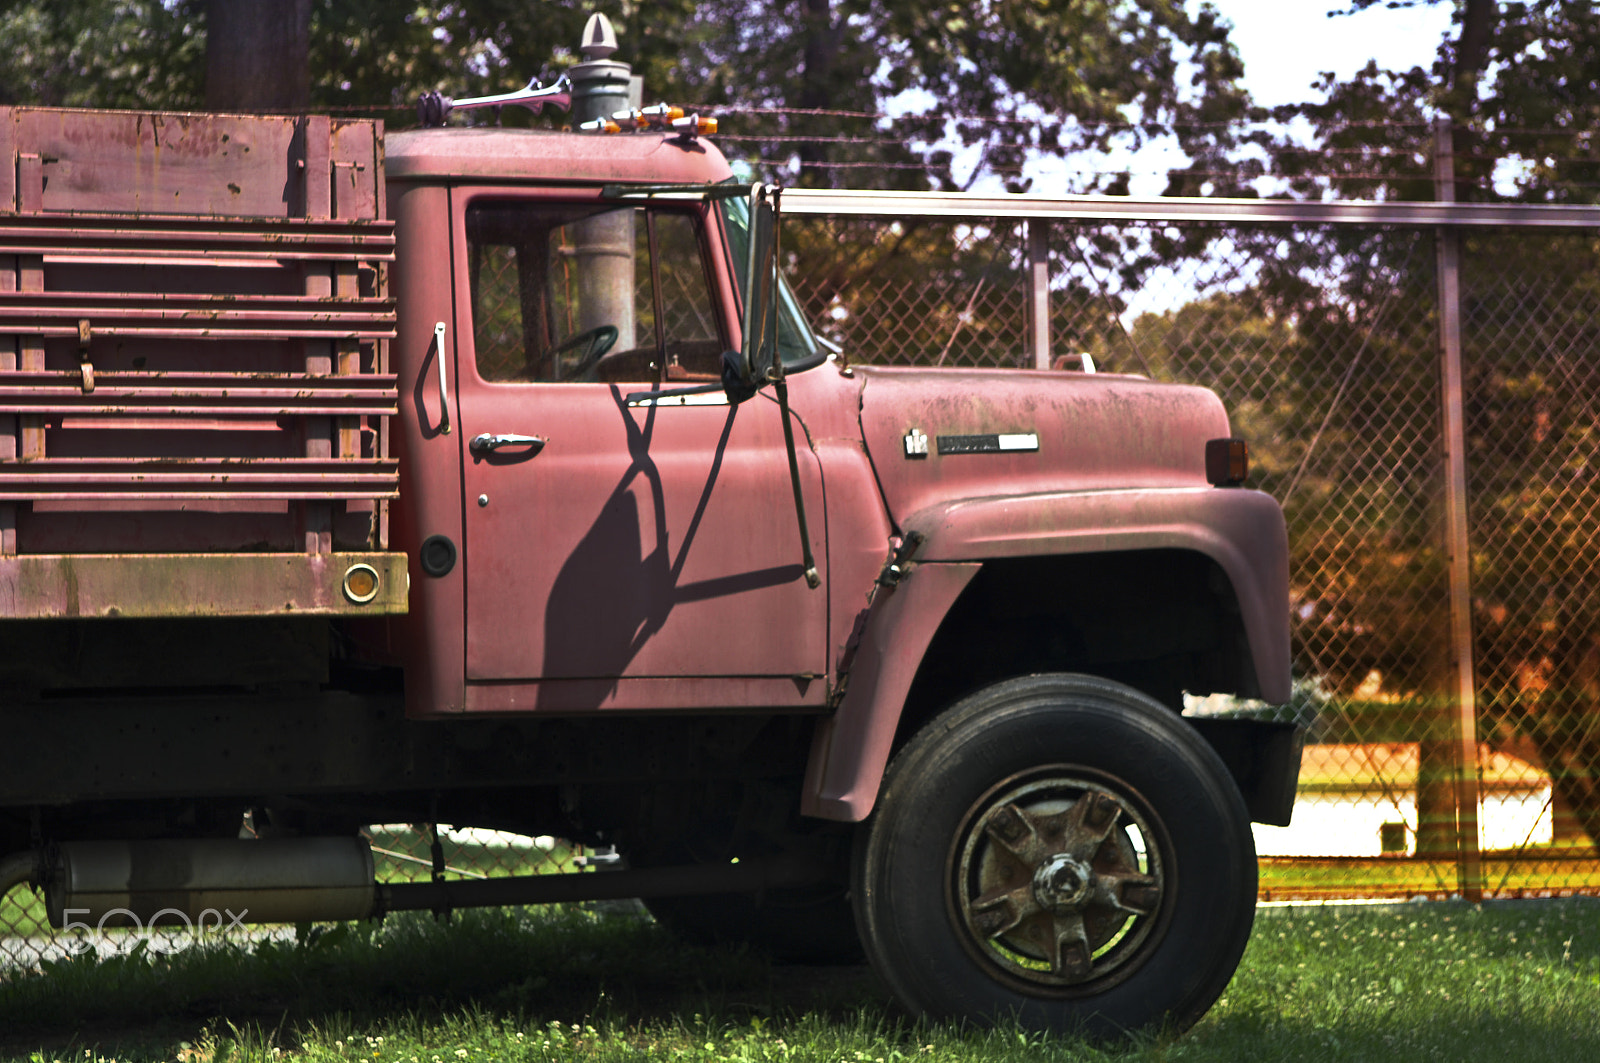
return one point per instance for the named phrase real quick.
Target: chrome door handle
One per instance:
(489, 442)
(444, 387)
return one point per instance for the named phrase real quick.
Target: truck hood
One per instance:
(936, 435)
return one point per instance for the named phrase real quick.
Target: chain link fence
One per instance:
(1324, 341)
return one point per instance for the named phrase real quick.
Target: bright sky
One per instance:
(1286, 44)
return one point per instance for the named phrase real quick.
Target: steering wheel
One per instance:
(600, 339)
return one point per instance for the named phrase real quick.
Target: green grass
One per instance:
(1539, 871)
(1412, 982)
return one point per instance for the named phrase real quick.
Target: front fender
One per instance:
(1242, 531)
(851, 748)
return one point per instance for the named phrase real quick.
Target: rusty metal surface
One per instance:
(162, 240)
(1319, 325)
(177, 163)
(431, 639)
(650, 694)
(150, 585)
(851, 749)
(217, 317)
(200, 307)
(679, 518)
(1091, 432)
(501, 156)
(1242, 531)
(140, 479)
(199, 395)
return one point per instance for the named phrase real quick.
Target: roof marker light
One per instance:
(661, 116)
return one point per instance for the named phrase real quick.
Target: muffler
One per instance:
(216, 884)
(209, 884)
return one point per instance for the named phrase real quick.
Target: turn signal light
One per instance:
(1227, 462)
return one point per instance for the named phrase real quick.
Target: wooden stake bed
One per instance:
(194, 328)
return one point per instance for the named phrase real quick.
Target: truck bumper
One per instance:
(1263, 756)
(367, 583)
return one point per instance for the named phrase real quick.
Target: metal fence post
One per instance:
(1039, 291)
(1464, 702)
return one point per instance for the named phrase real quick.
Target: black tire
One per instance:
(792, 926)
(1064, 809)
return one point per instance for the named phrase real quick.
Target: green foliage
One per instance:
(1015, 80)
(1518, 79)
(1045, 77)
(1442, 981)
(103, 53)
(1518, 82)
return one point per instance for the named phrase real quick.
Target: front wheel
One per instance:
(1061, 850)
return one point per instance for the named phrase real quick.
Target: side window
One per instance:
(565, 293)
(692, 346)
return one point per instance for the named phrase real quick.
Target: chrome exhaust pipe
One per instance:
(210, 883)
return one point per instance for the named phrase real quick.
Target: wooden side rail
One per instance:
(176, 236)
(151, 479)
(199, 395)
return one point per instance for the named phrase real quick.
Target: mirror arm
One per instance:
(781, 388)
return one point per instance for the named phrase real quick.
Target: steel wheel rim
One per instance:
(1059, 882)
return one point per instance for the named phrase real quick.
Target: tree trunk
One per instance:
(1565, 723)
(822, 37)
(1436, 799)
(258, 55)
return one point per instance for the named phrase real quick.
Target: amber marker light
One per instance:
(1227, 462)
(361, 583)
(695, 125)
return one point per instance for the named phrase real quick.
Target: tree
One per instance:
(1520, 83)
(1006, 81)
(102, 53)
(258, 55)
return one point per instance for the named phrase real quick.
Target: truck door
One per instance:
(619, 555)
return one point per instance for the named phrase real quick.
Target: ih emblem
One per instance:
(916, 444)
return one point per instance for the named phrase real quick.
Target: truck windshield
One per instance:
(797, 344)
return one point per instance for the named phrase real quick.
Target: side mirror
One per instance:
(758, 357)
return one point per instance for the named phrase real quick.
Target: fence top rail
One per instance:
(1179, 209)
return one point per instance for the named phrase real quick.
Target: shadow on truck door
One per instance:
(626, 584)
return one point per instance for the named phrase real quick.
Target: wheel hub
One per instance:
(1062, 884)
(1059, 882)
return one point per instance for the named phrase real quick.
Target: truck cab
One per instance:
(616, 553)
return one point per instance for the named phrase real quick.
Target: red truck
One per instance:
(492, 477)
